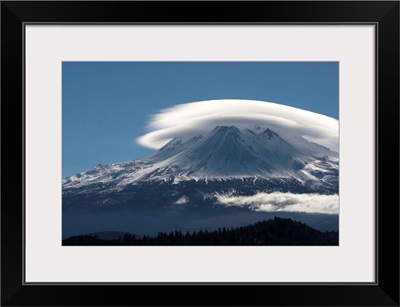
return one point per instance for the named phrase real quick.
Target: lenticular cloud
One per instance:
(196, 118)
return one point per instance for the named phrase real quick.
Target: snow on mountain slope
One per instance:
(174, 147)
(225, 152)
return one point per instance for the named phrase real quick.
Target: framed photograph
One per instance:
(205, 171)
(242, 146)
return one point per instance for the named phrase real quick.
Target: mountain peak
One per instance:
(270, 133)
(224, 152)
(226, 129)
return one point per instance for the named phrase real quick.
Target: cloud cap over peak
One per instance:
(200, 117)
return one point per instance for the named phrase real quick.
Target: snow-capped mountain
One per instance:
(224, 153)
(192, 182)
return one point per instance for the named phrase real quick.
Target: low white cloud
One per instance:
(200, 117)
(283, 202)
(181, 201)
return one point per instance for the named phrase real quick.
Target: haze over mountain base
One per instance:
(150, 208)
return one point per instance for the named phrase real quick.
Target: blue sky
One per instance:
(106, 105)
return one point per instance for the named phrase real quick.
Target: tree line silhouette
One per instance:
(277, 231)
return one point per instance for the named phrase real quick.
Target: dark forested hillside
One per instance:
(277, 231)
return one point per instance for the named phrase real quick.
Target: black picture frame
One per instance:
(383, 14)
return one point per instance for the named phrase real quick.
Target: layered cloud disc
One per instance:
(200, 117)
